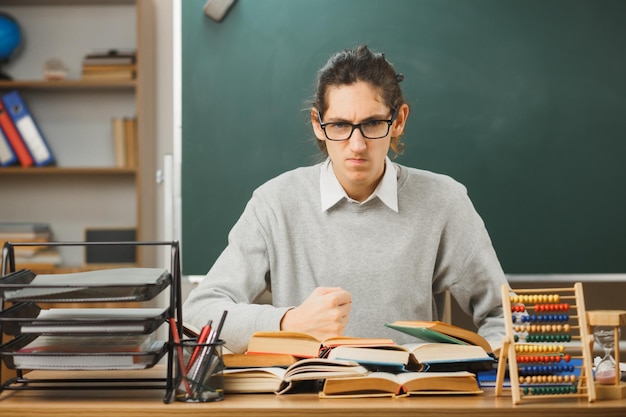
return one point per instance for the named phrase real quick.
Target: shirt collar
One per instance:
(332, 192)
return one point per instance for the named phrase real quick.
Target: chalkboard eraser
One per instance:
(217, 9)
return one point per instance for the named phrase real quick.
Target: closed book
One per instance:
(7, 156)
(119, 142)
(16, 232)
(27, 128)
(437, 331)
(130, 140)
(260, 360)
(120, 75)
(14, 139)
(110, 57)
(303, 345)
(386, 384)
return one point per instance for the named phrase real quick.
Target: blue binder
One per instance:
(7, 156)
(27, 128)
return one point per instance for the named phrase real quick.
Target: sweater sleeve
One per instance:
(239, 276)
(469, 268)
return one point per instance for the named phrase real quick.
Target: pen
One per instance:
(179, 353)
(202, 338)
(205, 360)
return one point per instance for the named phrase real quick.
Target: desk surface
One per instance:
(131, 403)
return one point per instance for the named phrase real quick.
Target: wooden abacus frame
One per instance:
(569, 299)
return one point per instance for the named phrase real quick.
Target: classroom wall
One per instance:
(523, 101)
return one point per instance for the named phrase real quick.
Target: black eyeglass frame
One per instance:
(358, 125)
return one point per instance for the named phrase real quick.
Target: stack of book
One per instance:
(443, 361)
(34, 257)
(109, 65)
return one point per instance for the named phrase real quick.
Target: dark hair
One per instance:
(360, 64)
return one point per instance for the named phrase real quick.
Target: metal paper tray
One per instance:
(29, 318)
(90, 286)
(100, 360)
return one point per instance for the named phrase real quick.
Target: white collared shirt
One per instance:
(331, 191)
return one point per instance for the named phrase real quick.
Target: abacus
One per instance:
(537, 348)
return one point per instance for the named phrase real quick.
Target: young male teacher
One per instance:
(357, 240)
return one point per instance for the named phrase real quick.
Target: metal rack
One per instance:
(21, 381)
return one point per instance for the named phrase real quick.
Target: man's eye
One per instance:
(339, 125)
(372, 123)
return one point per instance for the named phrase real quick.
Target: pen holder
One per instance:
(199, 371)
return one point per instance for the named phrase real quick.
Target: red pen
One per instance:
(202, 338)
(179, 353)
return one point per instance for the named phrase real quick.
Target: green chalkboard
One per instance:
(523, 101)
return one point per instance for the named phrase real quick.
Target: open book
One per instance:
(383, 384)
(303, 345)
(303, 376)
(417, 357)
(253, 380)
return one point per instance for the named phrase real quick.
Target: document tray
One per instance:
(29, 318)
(100, 359)
(107, 285)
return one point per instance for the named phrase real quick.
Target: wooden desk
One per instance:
(135, 403)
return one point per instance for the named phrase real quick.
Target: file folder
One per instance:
(27, 128)
(13, 137)
(7, 156)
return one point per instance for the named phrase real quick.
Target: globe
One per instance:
(10, 40)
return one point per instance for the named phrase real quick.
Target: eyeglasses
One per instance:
(370, 129)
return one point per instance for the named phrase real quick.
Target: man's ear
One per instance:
(317, 129)
(397, 128)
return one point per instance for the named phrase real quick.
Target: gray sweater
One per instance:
(393, 264)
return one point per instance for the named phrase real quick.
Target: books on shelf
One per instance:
(125, 141)
(25, 232)
(109, 65)
(28, 131)
(303, 345)
(110, 57)
(385, 384)
(35, 257)
(40, 260)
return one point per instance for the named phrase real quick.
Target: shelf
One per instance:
(85, 188)
(66, 171)
(68, 84)
(62, 2)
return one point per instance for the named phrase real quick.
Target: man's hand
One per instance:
(324, 314)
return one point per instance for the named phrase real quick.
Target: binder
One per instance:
(27, 128)
(13, 137)
(7, 156)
